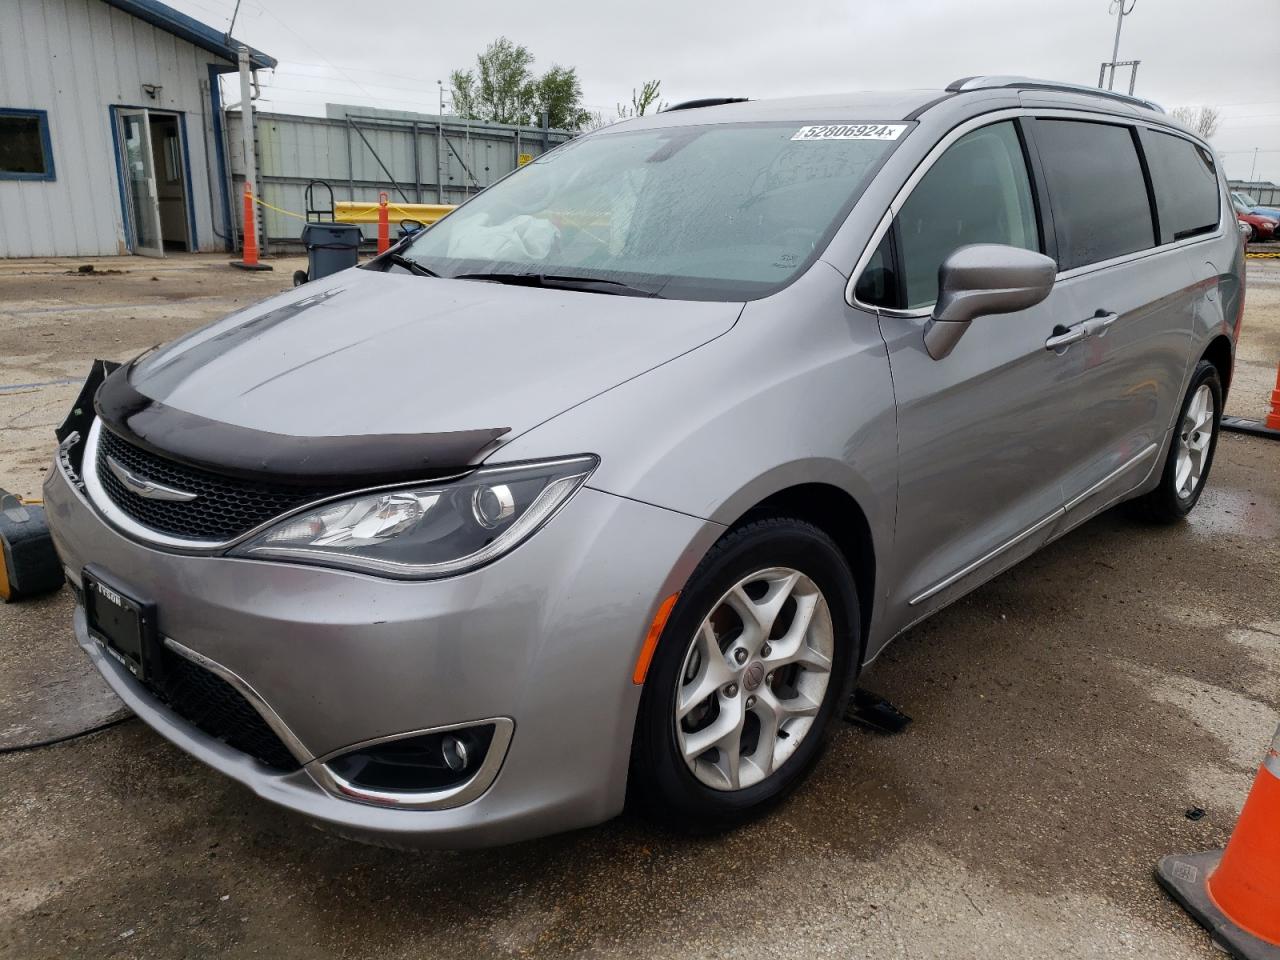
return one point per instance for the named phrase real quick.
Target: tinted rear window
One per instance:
(1097, 190)
(1185, 184)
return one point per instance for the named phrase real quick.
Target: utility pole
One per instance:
(1121, 13)
(440, 160)
(246, 127)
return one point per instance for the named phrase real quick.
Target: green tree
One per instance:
(648, 96)
(559, 92)
(500, 89)
(503, 89)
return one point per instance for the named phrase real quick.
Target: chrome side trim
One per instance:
(269, 716)
(987, 557)
(1110, 478)
(996, 116)
(456, 796)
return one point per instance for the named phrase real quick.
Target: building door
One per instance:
(138, 163)
(153, 164)
(171, 187)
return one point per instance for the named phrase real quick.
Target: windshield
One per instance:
(715, 212)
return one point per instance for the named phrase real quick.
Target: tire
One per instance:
(299, 277)
(1175, 497)
(768, 559)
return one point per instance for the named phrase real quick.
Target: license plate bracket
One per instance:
(124, 626)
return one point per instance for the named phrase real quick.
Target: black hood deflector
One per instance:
(350, 462)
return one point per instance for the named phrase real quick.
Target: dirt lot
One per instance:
(1067, 715)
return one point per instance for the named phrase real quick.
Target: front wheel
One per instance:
(1195, 439)
(757, 657)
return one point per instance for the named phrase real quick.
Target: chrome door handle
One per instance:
(1065, 336)
(1098, 325)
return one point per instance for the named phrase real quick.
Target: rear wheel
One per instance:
(1195, 439)
(754, 662)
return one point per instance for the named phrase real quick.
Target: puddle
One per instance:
(1243, 725)
(1223, 511)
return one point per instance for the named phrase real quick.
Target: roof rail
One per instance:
(704, 102)
(965, 84)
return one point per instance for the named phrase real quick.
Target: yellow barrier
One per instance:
(360, 211)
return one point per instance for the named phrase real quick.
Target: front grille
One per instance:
(225, 507)
(217, 708)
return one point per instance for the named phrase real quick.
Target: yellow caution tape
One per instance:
(287, 213)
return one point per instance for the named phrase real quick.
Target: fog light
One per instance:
(455, 753)
(429, 761)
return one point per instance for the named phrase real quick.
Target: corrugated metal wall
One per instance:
(362, 155)
(75, 59)
(1267, 194)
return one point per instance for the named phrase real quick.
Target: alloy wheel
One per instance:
(1195, 434)
(754, 678)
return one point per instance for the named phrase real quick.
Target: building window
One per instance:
(25, 150)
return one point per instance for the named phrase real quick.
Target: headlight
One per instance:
(426, 532)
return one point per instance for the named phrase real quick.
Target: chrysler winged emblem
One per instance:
(144, 487)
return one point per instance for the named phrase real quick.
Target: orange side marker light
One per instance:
(651, 640)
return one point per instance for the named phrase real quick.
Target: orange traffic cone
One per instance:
(1273, 418)
(1236, 893)
(250, 261)
(1270, 427)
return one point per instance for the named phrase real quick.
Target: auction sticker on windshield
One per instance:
(851, 131)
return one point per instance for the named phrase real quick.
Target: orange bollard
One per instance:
(250, 260)
(384, 228)
(1236, 893)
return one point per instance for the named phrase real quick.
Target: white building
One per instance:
(111, 133)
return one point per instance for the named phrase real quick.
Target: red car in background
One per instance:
(1261, 228)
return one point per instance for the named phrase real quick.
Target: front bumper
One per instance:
(546, 636)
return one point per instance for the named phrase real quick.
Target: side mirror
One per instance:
(980, 279)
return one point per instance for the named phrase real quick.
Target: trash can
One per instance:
(330, 247)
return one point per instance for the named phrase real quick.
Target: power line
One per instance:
(234, 13)
(307, 44)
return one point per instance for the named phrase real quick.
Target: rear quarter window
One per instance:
(1186, 185)
(1096, 189)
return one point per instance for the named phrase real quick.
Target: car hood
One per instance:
(370, 353)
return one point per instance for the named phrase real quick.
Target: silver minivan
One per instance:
(607, 486)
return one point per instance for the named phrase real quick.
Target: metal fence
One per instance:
(1266, 193)
(411, 158)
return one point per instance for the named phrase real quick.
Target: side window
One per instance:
(977, 192)
(1098, 192)
(25, 151)
(877, 285)
(1185, 183)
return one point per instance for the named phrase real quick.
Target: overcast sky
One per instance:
(1220, 52)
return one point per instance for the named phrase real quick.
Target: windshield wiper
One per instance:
(555, 281)
(413, 266)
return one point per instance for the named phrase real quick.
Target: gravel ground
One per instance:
(1066, 716)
